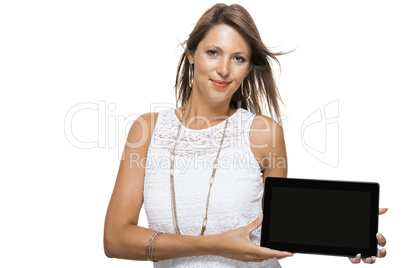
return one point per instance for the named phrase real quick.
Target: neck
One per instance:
(199, 115)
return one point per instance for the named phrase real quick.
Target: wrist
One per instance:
(209, 245)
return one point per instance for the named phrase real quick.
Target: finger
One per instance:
(263, 253)
(289, 255)
(255, 224)
(382, 211)
(272, 253)
(381, 240)
(370, 260)
(356, 259)
(381, 253)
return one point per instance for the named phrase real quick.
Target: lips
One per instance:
(220, 84)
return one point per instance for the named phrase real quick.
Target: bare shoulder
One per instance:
(264, 130)
(268, 146)
(141, 130)
(261, 121)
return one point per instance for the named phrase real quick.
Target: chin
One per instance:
(220, 98)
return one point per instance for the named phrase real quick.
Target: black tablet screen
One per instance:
(320, 217)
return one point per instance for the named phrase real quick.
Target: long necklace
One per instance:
(211, 180)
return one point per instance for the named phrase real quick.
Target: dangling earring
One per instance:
(242, 92)
(191, 76)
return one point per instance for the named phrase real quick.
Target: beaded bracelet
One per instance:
(149, 250)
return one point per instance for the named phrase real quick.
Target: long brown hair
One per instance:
(259, 84)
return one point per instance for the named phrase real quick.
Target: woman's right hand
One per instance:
(236, 244)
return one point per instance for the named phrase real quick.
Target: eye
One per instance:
(212, 53)
(239, 59)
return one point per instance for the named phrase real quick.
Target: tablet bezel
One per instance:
(371, 187)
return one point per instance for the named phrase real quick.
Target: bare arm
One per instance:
(268, 146)
(123, 238)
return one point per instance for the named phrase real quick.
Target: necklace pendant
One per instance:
(203, 230)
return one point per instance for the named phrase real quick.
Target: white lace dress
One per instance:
(236, 193)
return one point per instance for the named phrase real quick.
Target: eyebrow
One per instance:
(236, 53)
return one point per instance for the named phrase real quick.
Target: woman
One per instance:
(202, 184)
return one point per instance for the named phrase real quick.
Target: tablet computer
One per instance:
(320, 216)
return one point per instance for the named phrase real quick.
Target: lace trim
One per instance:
(193, 143)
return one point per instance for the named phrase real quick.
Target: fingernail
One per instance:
(379, 236)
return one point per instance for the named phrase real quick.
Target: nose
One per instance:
(223, 68)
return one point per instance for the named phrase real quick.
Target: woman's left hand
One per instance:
(380, 252)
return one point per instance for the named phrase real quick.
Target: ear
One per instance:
(190, 58)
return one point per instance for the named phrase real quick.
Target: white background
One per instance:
(55, 55)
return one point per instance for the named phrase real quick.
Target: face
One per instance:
(221, 62)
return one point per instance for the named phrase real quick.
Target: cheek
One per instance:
(245, 69)
(240, 72)
(205, 66)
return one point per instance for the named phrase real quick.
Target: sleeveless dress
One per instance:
(236, 194)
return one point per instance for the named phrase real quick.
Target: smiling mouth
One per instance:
(220, 84)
